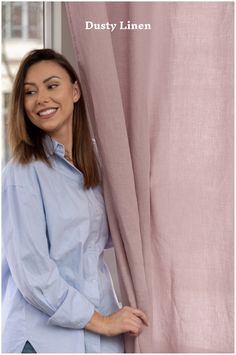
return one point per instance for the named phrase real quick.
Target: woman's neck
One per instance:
(65, 139)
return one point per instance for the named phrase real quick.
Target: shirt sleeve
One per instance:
(35, 274)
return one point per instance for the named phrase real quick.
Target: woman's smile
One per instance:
(47, 113)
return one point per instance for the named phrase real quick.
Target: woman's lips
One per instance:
(47, 113)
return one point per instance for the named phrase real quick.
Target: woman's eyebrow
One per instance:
(45, 80)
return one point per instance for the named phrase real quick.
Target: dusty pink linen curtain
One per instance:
(161, 107)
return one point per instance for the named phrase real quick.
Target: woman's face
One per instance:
(49, 97)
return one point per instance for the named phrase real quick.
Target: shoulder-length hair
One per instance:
(26, 140)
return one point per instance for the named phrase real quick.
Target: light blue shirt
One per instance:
(54, 275)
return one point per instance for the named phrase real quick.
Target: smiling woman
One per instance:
(61, 299)
(46, 80)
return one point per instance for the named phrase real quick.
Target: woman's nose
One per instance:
(43, 97)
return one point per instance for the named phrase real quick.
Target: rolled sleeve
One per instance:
(35, 274)
(71, 303)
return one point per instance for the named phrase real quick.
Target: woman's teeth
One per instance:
(47, 112)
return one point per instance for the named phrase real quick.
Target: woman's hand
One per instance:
(126, 320)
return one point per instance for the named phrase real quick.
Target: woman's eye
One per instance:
(52, 86)
(30, 92)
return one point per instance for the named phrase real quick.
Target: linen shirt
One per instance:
(53, 273)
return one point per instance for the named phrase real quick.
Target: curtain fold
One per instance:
(160, 103)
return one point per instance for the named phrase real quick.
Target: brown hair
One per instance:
(26, 139)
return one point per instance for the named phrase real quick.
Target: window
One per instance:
(22, 20)
(35, 26)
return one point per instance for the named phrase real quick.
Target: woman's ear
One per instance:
(76, 92)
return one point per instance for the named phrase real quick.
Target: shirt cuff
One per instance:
(75, 311)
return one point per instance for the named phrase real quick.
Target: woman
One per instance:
(57, 291)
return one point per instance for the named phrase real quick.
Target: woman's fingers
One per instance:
(126, 320)
(141, 315)
(138, 313)
(135, 323)
(135, 327)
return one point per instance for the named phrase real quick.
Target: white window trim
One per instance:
(53, 26)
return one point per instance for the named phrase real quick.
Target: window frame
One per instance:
(53, 25)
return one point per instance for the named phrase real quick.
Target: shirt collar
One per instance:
(51, 146)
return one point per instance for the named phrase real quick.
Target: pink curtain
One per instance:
(161, 107)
